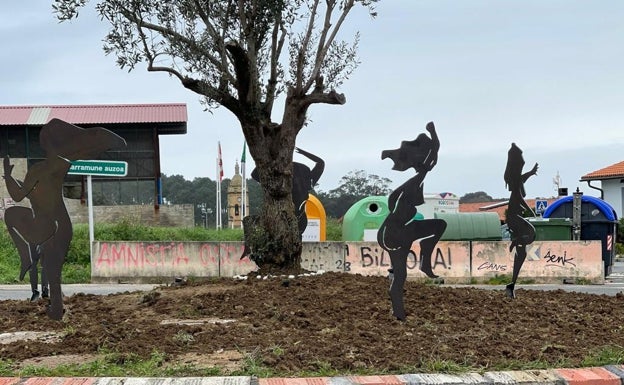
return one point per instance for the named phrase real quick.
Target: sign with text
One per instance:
(98, 168)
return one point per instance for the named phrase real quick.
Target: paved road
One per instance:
(23, 291)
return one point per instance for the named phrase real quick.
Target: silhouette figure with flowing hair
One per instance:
(402, 227)
(44, 231)
(522, 232)
(304, 180)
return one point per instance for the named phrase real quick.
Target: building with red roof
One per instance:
(611, 188)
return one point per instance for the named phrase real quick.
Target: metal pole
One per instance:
(218, 203)
(90, 210)
(577, 203)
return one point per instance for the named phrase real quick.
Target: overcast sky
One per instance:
(547, 75)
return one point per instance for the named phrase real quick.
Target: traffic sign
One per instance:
(98, 168)
(540, 206)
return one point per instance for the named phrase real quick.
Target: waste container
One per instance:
(598, 222)
(552, 229)
(471, 226)
(364, 218)
(316, 230)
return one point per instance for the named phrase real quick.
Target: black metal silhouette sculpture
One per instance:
(44, 231)
(522, 232)
(401, 227)
(303, 182)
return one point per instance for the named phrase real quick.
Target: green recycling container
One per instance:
(471, 226)
(364, 218)
(552, 229)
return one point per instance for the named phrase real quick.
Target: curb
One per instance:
(607, 375)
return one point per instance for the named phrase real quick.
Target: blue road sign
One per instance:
(540, 206)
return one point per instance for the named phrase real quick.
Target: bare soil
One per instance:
(338, 321)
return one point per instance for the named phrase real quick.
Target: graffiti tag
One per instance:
(558, 260)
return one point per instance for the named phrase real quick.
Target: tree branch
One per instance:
(331, 97)
(277, 44)
(242, 70)
(140, 23)
(324, 47)
(304, 46)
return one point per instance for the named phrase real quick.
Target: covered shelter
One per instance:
(139, 124)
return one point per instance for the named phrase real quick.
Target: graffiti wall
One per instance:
(545, 259)
(454, 261)
(168, 259)
(449, 260)
(323, 256)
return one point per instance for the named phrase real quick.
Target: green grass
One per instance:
(504, 279)
(112, 364)
(333, 230)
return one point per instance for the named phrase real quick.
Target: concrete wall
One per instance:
(166, 215)
(170, 215)
(456, 262)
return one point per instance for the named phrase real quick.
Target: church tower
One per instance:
(235, 200)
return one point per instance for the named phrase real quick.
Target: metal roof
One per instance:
(169, 114)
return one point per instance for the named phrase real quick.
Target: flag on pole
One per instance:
(219, 179)
(220, 163)
(243, 159)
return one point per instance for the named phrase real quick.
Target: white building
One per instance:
(611, 188)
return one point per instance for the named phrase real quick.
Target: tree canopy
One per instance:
(243, 55)
(474, 197)
(356, 185)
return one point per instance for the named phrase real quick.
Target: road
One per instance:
(614, 284)
(24, 292)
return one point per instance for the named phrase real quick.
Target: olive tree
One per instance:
(244, 55)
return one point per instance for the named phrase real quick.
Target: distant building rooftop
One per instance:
(610, 172)
(498, 207)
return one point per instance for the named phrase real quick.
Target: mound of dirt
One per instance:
(342, 321)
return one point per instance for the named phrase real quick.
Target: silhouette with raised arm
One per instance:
(303, 182)
(44, 231)
(522, 232)
(402, 226)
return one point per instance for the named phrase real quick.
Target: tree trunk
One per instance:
(273, 239)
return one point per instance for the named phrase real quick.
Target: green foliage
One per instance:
(476, 197)
(619, 246)
(333, 230)
(354, 186)
(499, 279)
(128, 230)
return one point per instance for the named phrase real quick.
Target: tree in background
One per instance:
(232, 54)
(202, 191)
(476, 197)
(354, 186)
